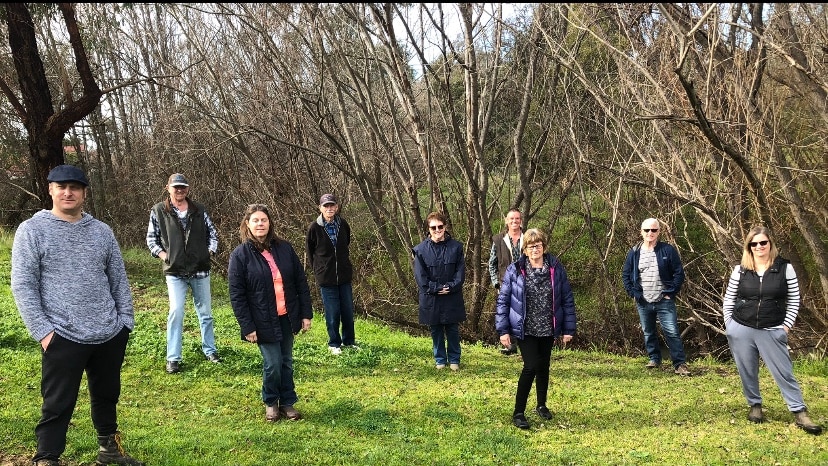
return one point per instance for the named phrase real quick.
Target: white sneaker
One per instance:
(441, 366)
(335, 350)
(455, 367)
(351, 347)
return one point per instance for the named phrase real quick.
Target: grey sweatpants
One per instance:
(747, 345)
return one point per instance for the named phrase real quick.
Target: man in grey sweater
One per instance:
(70, 286)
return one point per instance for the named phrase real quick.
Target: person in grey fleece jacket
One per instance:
(70, 286)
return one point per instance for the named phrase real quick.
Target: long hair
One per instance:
(246, 235)
(747, 253)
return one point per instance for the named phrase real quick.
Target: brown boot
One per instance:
(271, 413)
(755, 414)
(111, 451)
(805, 423)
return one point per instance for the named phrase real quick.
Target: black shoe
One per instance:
(543, 412)
(173, 367)
(213, 357)
(520, 421)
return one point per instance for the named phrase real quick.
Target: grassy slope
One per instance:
(387, 405)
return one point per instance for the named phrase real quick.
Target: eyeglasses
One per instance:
(436, 227)
(534, 246)
(753, 244)
(647, 230)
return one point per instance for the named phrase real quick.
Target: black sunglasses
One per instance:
(647, 230)
(436, 227)
(753, 244)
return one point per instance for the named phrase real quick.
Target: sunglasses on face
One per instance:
(647, 230)
(753, 244)
(436, 227)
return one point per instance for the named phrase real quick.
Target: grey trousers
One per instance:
(747, 345)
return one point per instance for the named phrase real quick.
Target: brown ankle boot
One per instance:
(755, 414)
(111, 451)
(805, 423)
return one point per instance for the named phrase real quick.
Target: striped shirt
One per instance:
(650, 280)
(732, 291)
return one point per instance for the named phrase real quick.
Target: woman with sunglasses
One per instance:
(440, 270)
(535, 305)
(760, 306)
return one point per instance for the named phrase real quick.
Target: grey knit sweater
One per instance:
(69, 277)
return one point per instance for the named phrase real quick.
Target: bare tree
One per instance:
(45, 126)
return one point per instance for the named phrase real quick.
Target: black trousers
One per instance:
(537, 352)
(62, 367)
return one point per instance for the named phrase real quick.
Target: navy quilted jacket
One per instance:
(511, 301)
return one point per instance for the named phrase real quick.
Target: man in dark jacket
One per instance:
(327, 247)
(183, 236)
(653, 275)
(440, 270)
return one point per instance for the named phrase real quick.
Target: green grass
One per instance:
(387, 405)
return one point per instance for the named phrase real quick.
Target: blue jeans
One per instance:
(278, 387)
(177, 291)
(665, 311)
(338, 302)
(439, 335)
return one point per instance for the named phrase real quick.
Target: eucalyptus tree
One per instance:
(32, 94)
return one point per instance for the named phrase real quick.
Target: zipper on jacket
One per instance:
(759, 305)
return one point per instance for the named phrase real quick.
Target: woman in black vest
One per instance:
(760, 306)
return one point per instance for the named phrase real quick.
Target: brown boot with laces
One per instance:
(111, 451)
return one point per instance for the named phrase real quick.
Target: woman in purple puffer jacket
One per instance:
(535, 305)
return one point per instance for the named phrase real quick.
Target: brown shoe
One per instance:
(805, 423)
(271, 413)
(755, 414)
(682, 369)
(290, 413)
(653, 364)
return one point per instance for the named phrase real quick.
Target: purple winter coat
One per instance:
(511, 301)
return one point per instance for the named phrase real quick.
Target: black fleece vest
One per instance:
(187, 251)
(762, 303)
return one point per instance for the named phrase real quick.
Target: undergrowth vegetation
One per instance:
(385, 404)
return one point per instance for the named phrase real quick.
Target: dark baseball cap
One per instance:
(328, 199)
(177, 179)
(66, 173)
